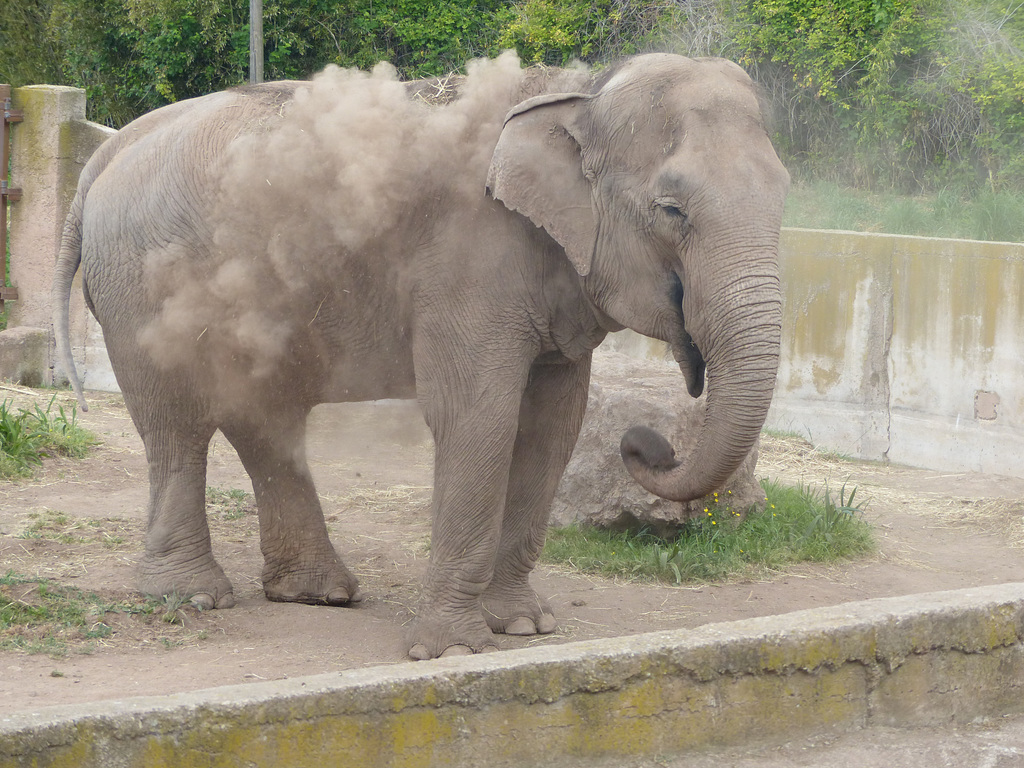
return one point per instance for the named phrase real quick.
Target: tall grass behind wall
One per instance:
(986, 215)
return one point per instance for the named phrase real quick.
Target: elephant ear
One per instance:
(537, 170)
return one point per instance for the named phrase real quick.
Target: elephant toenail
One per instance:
(203, 601)
(521, 626)
(456, 650)
(419, 652)
(340, 596)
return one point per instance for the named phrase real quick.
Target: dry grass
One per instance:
(886, 486)
(376, 500)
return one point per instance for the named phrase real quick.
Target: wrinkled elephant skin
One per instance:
(467, 242)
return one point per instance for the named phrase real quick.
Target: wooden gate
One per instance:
(7, 293)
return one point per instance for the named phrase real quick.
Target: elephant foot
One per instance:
(205, 585)
(517, 610)
(333, 584)
(435, 636)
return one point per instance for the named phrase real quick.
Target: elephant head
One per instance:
(662, 186)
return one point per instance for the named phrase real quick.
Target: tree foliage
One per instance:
(905, 93)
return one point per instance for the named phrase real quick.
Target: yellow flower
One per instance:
(714, 522)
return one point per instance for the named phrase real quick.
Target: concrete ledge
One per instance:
(918, 660)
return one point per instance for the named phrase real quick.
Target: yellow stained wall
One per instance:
(905, 348)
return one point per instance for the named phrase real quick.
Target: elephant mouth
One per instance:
(684, 348)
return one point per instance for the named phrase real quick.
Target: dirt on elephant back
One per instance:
(81, 524)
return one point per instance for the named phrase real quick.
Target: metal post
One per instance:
(255, 41)
(7, 116)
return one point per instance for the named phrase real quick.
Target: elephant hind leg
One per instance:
(178, 558)
(300, 563)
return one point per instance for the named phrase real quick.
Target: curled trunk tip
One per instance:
(644, 449)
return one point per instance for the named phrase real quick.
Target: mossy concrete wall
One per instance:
(50, 146)
(904, 348)
(919, 660)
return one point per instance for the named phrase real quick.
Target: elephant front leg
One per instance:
(549, 422)
(300, 563)
(473, 451)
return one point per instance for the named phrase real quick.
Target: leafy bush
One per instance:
(913, 94)
(906, 94)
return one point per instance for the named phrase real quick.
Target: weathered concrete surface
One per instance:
(50, 147)
(24, 355)
(907, 349)
(929, 659)
(597, 490)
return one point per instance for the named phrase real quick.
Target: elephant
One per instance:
(466, 242)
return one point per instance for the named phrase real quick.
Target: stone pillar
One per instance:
(50, 148)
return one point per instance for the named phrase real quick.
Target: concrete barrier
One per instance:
(907, 349)
(919, 660)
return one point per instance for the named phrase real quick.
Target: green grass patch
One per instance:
(986, 215)
(40, 616)
(798, 525)
(59, 526)
(229, 504)
(29, 435)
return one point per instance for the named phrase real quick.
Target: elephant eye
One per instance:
(672, 207)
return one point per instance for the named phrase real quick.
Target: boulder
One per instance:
(596, 489)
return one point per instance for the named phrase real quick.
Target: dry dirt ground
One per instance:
(81, 523)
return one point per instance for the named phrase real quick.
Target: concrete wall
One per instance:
(904, 348)
(49, 149)
(923, 660)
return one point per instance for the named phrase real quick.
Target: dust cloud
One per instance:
(303, 194)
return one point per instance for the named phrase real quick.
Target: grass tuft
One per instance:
(229, 504)
(798, 525)
(27, 436)
(38, 615)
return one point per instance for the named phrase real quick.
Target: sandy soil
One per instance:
(372, 463)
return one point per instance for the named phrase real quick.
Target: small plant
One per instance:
(27, 436)
(797, 525)
(60, 432)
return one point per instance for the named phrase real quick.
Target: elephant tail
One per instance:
(68, 260)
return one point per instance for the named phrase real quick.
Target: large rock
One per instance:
(597, 490)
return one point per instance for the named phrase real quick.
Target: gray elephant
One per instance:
(468, 242)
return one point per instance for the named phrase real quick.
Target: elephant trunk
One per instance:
(738, 334)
